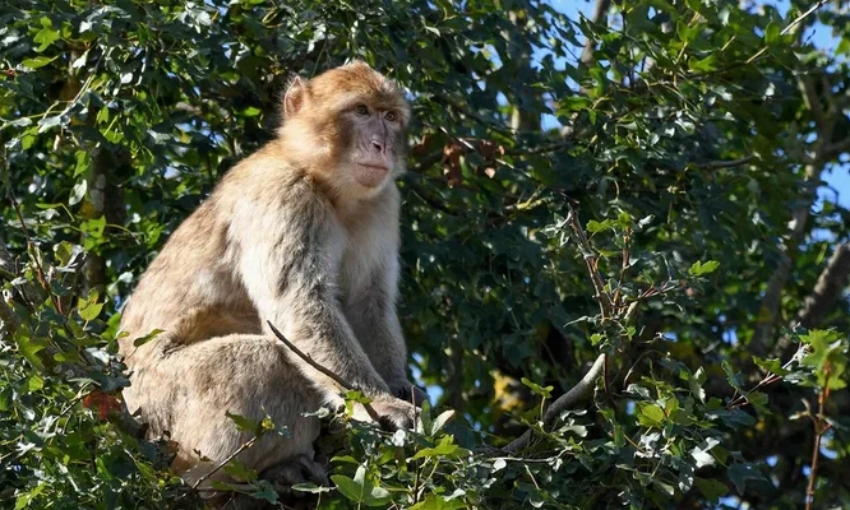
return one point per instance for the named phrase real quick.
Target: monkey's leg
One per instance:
(187, 392)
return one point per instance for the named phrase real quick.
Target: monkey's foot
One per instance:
(298, 469)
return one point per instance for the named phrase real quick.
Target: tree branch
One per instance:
(760, 342)
(247, 444)
(569, 399)
(590, 260)
(712, 165)
(833, 150)
(334, 377)
(600, 10)
(828, 288)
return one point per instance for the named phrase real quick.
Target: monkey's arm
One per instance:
(372, 315)
(290, 273)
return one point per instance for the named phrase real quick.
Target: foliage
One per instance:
(685, 140)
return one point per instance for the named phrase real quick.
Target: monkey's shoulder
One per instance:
(268, 180)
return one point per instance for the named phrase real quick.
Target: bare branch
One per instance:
(760, 344)
(247, 444)
(428, 161)
(598, 284)
(833, 150)
(569, 399)
(811, 99)
(801, 17)
(577, 393)
(791, 26)
(600, 10)
(828, 288)
(712, 165)
(334, 377)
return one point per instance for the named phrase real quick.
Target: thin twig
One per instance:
(585, 386)
(334, 377)
(712, 165)
(245, 446)
(598, 285)
(802, 17)
(820, 428)
(788, 29)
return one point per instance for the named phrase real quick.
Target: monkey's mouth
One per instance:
(370, 175)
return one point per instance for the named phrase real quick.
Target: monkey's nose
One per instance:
(378, 147)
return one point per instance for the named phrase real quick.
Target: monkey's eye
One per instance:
(391, 116)
(361, 109)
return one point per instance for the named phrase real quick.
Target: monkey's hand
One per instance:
(408, 392)
(393, 413)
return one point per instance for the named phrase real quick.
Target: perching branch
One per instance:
(569, 399)
(334, 377)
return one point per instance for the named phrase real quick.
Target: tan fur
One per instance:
(288, 236)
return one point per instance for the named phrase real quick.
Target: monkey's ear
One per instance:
(294, 98)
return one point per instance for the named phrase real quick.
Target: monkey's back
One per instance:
(191, 291)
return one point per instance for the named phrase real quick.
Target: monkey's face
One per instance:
(374, 143)
(348, 126)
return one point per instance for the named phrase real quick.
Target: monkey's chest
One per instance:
(363, 263)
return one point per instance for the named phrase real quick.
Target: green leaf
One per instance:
(24, 499)
(244, 424)
(436, 502)
(83, 163)
(537, 389)
(33, 383)
(711, 489)
(696, 381)
(45, 37)
(445, 448)
(30, 347)
(94, 227)
(773, 365)
(239, 471)
(88, 310)
(734, 378)
(441, 421)
(594, 226)
(79, 192)
(771, 34)
(142, 340)
(37, 62)
(650, 415)
(704, 65)
(349, 488)
(703, 268)
(827, 356)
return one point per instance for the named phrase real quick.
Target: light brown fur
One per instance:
(291, 235)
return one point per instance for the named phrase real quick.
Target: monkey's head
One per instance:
(347, 126)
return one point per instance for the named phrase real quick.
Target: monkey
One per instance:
(302, 234)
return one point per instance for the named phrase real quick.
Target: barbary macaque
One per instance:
(302, 234)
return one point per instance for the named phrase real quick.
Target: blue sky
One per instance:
(837, 178)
